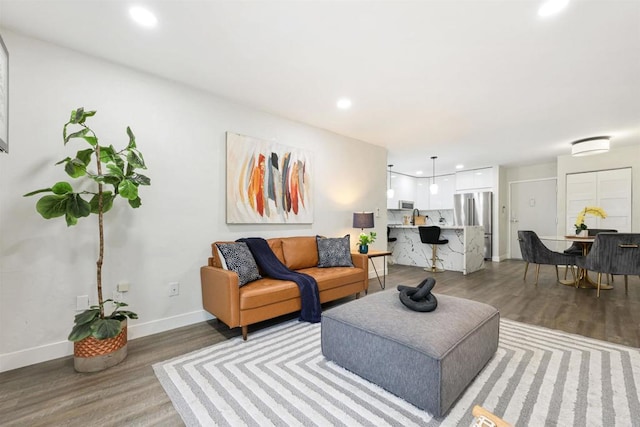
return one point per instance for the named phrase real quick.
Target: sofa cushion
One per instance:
(276, 247)
(329, 278)
(300, 252)
(334, 252)
(237, 257)
(268, 291)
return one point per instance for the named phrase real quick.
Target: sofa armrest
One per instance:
(361, 261)
(221, 294)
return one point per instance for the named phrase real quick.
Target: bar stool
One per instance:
(431, 235)
(389, 238)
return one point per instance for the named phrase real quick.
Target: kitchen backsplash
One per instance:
(397, 216)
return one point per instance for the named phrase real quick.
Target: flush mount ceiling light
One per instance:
(433, 188)
(551, 7)
(143, 17)
(459, 166)
(390, 191)
(343, 103)
(588, 146)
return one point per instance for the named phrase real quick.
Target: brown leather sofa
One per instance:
(267, 298)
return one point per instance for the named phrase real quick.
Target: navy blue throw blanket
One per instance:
(272, 267)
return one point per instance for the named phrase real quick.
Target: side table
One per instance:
(374, 254)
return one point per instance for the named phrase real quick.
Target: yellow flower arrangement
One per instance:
(593, 210)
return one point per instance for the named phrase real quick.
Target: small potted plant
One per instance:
(100, 332)
(581, 227)
(364, 241)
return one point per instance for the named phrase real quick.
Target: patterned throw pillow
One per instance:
(237, 257)
(334, 252)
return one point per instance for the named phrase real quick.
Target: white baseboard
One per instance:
(161, 325)
(33, 355)
(43, 353)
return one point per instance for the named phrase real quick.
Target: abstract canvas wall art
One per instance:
(267, 183)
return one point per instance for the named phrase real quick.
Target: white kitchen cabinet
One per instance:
(404, 188)
(608, 189)
(422, 193)
(446, 190)
(477, 179)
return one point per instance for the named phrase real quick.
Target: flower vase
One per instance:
(583, 233)
(363, 249)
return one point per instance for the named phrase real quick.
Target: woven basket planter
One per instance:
(93, 355)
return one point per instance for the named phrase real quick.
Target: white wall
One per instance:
(622, 157)
(531, 172)
(181, 131)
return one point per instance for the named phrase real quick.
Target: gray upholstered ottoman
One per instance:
(428, 359)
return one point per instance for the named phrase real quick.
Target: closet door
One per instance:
(581, 192)
(608, 189)
(614, 196)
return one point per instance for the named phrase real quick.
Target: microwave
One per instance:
(405, 204)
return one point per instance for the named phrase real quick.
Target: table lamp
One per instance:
(363, 220)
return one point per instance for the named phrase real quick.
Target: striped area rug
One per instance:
(538, 377)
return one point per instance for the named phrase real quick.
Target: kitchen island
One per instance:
(464, 252)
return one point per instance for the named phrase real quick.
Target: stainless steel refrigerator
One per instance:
(475, 209)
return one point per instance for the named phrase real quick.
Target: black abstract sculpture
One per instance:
(419, 298)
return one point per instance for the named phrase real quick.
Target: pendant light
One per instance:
(390, 191)
(433, 188)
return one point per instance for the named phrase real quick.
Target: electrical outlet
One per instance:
(123, 287)
(174, 289)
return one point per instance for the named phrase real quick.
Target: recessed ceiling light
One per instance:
(344, 103)
(418, 172)
(459, 166)
(551, 7)
(143, 17)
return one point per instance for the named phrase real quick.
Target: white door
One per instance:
(532, 206)
(614, 196)
(581, 192)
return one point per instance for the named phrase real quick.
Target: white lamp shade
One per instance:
(433, 188)
(588, 146)
(390, 193)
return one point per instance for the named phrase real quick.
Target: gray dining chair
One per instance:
(577, 249)
(613, 253)
(535, 252)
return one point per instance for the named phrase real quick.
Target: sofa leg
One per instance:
(245, 331)
(358, 295)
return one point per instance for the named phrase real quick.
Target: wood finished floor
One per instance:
(53, 394)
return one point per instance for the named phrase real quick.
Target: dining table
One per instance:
(585, 242)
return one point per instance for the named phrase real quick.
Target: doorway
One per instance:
(532, 206)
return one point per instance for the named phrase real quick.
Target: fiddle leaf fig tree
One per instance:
(115, 170)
